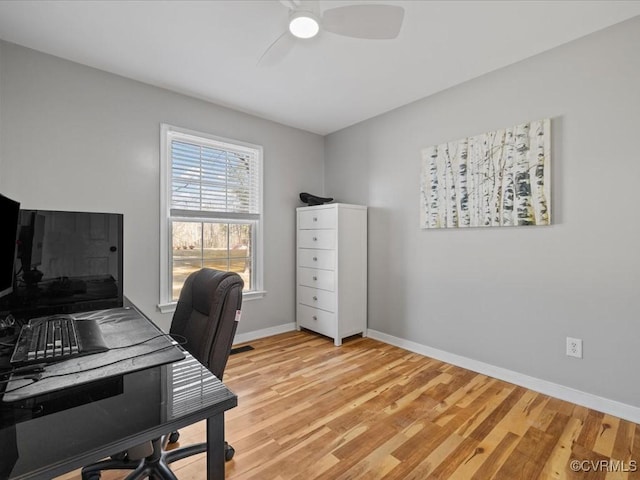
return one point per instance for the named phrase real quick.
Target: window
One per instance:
(211, 210)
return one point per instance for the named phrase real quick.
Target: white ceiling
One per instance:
(210, 49)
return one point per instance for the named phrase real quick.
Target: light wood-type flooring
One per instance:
(367, 410)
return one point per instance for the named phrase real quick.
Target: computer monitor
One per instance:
(67, 262)
(30, 244)
(9, 214)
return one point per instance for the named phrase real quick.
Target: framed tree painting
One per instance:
(500, 178)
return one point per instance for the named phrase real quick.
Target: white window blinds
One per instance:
(213, 179)
(210, 209)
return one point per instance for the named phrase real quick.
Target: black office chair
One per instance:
(206, 317)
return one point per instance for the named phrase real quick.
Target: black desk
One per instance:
(58, 432)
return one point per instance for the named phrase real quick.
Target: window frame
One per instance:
(167, 134)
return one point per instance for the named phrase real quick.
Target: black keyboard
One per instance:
(56, 338)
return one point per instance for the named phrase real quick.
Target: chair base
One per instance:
(155, 466)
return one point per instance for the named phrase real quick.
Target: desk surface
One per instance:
(134, 343)
(45, 436)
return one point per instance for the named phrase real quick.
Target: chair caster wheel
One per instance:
(173, 437)
(229, 452)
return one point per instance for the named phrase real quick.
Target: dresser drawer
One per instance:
(322, 239)
(312, 277)
(323, 259)
(314, 297)
(321, 218)
(317, 320)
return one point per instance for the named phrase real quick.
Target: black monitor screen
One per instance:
(8, 235)
(67, 262)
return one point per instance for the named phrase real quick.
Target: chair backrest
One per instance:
(206, 316)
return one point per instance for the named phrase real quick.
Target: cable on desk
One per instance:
(182, 341)
(29, 376)
(36, 379)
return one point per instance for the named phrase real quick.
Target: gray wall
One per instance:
(510, 296)
(76, 138)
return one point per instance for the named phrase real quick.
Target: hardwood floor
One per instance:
(367, 410)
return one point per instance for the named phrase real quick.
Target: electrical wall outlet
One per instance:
(574, 347)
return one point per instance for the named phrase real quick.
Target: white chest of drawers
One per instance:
(332, 270)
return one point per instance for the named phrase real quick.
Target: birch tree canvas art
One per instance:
(500, 178)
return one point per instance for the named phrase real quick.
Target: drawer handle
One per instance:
(315, 279)
(315, 259)
(315, 219)
(315, 299)
(315, 317)
(315, 239)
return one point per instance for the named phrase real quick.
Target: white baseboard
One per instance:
(605, 405)
(265, 332)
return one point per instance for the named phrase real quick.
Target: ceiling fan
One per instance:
(364, 21)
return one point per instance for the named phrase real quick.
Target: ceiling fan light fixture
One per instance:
(304, 25)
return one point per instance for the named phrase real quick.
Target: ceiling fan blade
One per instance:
(290, 4)
(376, 22)
(278, 50)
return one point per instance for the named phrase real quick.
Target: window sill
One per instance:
(167, 307)
(246, 296)
(254, 295)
